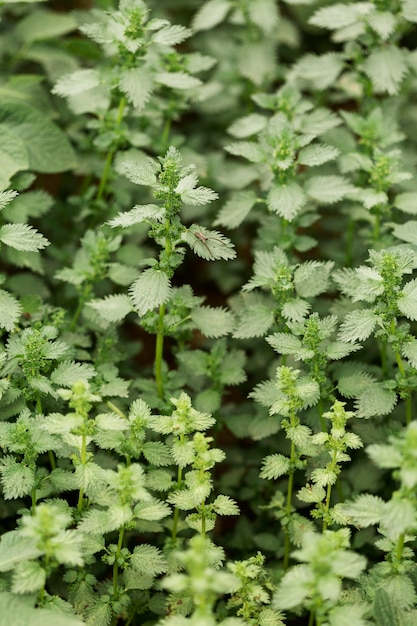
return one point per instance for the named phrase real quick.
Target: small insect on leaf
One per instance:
(209, 244)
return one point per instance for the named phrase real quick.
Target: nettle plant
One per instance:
(205, 427)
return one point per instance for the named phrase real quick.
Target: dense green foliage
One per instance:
(203, 426)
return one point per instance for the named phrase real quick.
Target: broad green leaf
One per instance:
(177, 80)
(274, 466)
(15, 610)
(340, 15)
(213, 322)
(358, 325)
(22, 237)
(48, 148)
(152, 510)
(407, 202)
(284, 343)
(407, 300)
(77, 82)
(150, 290)
(6, 197)
(141, 171)
(138, 85)
(293, 588)
(148, 560)
(312, 277)
(157, 453)
(409, 350)
(264, 13)
(329, 189)
(224, 505)
(10, 311)
(171, 35)
(366, 510)
(386, 67)
(236, 209)
(348, 615)
(209, 244)
(321, 71)
(246, 126)
(399, 516)
(338, 350)
(286, 200)
(69, 372)
(247, 149)
(385, 611)
(14, 156)
(14, 548)
(375, 400)
(295, 310)
(256, 320)
(42, 24)
(210, 14)
(385, 456)
(317, 154)
(113, 308)
(383, 23)
(409, 10)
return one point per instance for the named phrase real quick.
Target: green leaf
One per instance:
(6, 197)
(177, 80)
(312, 277)
(399, 517)
(274, 466)
(321, 71)
(329, 189)
(152, 510)
(15, 610)
(224, 505)
(148, 560)
(48, 148)
(375, 400)
(284, 343)
(317, 154)
(213, 322)
(358, 325)
(208, 244)
(247, 126)
(407, 202)
(150, 290)
(407, 300)
(171, 35)
(286, 200)
(255, 321)
(339, 15)
(385, 611)
(236, 209)
(14, 548)
(247, 149)
(22, 237)
(366, 510)
(138, 85)
(112, 308)
(157, 453)
(210, 14)
(28, 576)
(16, 478)
(409, 10)
(409, 350)
(14, 156)
(69, 372)
(293, 588)
(383, 23)
(192, 195)
(10, 311)
(42, 24)
(386, 67)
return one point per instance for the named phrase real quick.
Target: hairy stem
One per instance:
(110, 154)
(288, 507)
(116, 564)
(176, 511)
(159, 350)
(83, 459)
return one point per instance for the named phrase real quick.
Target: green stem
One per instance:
(400, 547)
(159, 349)
(384, 364)
(203, 520)
(110, 154)
(329, 492)
(33, 494)
(321, 411)
(288, 507)
(165, 134)
(116, 409)
(116, 564)
(408, 410)
(83, 459)
(376, 228)
(311, 619)
(176, 511)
